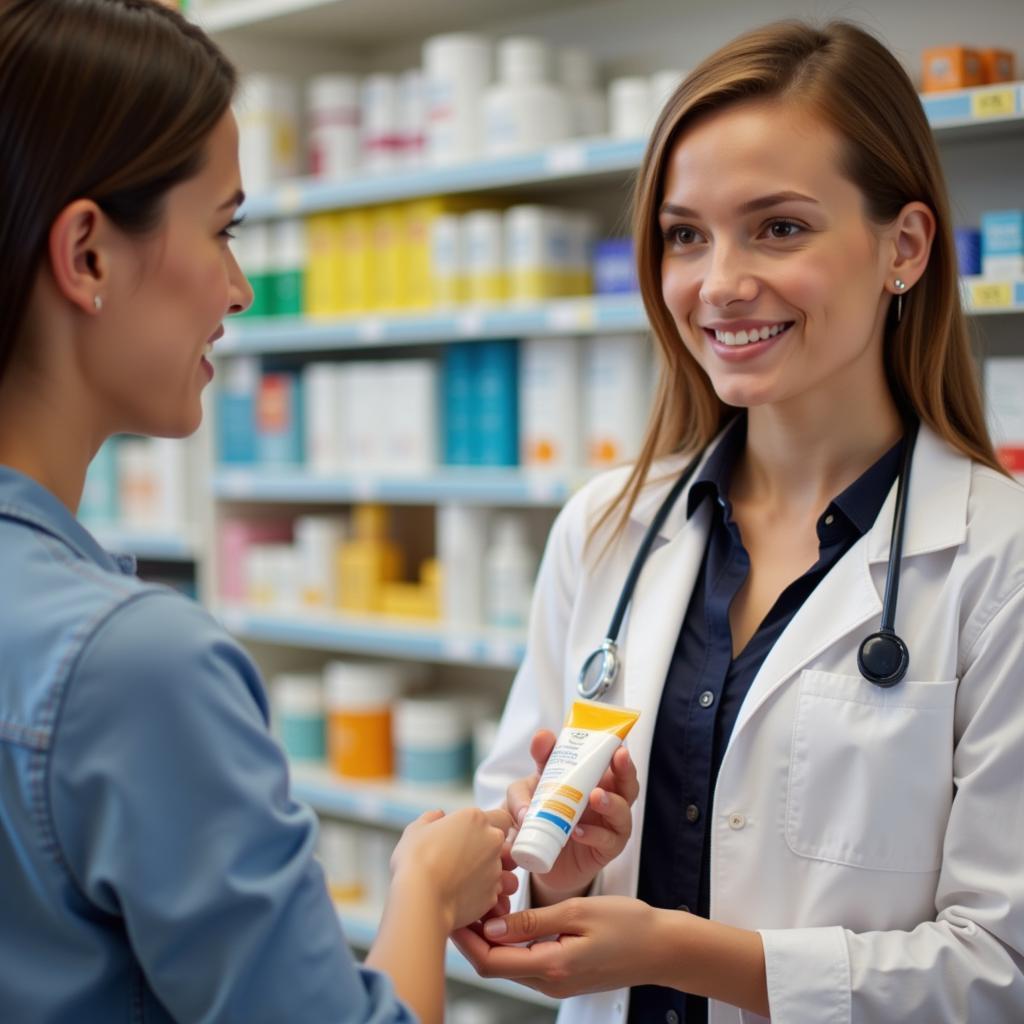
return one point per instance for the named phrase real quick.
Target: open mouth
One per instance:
(751, 336)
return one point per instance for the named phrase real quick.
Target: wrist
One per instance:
(543, 894)
(413, 887)
(671, 932)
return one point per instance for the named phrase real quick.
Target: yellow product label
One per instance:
(355, 260)
(572, 794)
(994, 103)
(991, 294)
(322, 295)
(485, 288)
(589, 714)
(389, 272)
(534, 284)
(559, 808)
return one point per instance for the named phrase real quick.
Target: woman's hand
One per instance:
(603, 830)
(603, 942)
(459, 857)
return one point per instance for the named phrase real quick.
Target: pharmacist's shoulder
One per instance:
(995, 520)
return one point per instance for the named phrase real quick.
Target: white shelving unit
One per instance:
(389, 638)
(626, 36)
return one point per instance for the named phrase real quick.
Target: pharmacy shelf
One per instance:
(984, 296)
(351, 22)
(393, 638)
(146, 545)
(591, 314)
(390, 804)
(361, 920)
(964, 114)
(565, 163)
(514, 488)
(976, 113)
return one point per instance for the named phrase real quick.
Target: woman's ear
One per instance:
(80, 255)
(912, 234)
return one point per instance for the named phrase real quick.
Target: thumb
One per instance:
(526, 925)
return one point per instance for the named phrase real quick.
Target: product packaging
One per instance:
(592, 734)
(297, 700)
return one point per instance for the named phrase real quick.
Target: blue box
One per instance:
(1002, 243)
(237, 390)
(968, 250)
(615, 267)
(496, 404)
(459, 372)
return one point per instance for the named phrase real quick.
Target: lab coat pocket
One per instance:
(871, 772)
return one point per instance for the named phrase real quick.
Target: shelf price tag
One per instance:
(991, 295)
(994, 103)
(575, 315)
(289, 199)
(566, 158)
(371, 330)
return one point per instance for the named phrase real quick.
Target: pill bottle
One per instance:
(432, 741)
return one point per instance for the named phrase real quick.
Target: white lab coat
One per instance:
(874, 837)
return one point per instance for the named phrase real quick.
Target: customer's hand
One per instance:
(459, 857)
(603, 830)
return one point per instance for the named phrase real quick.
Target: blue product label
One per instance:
(236, 428)
(443, 765)
(560, 822)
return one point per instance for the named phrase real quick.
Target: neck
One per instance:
(801, 455)
(45, 434)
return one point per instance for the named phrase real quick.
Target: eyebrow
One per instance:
(236, 200)
(751, 206)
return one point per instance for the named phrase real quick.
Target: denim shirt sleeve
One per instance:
(171, 807)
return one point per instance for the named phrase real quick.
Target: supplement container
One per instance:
(509, 571)
(432, 741)
(629, 107)
(484, 255)
(587, 108)
(340, 848)
(457, 69)
(333, 104)
(297, 700)
(360, 696)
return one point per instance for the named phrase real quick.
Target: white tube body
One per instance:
(573, 770)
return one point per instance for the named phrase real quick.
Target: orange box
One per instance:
(952, 67)
(998, 65)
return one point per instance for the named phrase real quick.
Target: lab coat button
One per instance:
(707, 698)
(692, 813)
(737, 821)
(671, 1017)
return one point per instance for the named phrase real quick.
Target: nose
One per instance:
(728, 279)
(240, 293)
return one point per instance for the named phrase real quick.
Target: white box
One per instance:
(1004, 409)
(616, 374)
(549, 412)
(410, 389)
(324, 420)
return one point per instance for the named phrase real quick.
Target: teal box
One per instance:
(1002, 233)
(497, 404)
(303, 736)
(237, 390)
(99, 497)
(437, 765)
(279, 420)
(458, 386)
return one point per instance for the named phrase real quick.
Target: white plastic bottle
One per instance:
(523, 111)
(457, 69)
(333, 110)
(509, 571)
(587, 107)
(379, 103)
(461, 547)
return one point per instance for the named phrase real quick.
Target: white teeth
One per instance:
(208, 350)
(745, 337)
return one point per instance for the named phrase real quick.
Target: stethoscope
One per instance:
(883, 657)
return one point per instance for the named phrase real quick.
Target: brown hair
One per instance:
(851, 81)
(110, 100)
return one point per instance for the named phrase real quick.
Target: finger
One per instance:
(519, 795)
(612, 811)
(541, 745)
(499, 818)
(524, 925)
(603, 841)
(627, 783)
(509, 883)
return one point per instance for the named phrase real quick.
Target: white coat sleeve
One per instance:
(968, 963)
(537, 697)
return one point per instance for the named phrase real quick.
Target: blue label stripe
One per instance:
(560, 822)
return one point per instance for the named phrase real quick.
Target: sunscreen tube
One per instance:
(592, 734)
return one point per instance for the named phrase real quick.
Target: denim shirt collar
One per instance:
(24, 499)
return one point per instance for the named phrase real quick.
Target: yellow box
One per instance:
(952, 67)
(389, 277)
(356, 260)
(417, 256)
(322, 292)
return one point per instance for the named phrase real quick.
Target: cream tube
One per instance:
(592, 734)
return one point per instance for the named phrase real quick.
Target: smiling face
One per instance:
(771, 269)
(168, 296)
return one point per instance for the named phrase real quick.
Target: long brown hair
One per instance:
(110, 100)
(853, 83)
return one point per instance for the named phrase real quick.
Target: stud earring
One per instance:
(97, 302)
(899, 284)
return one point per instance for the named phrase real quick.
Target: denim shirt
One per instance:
(153, 865)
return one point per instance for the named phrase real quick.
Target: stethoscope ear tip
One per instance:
(883, 659)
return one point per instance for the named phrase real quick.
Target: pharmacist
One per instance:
(830, 822)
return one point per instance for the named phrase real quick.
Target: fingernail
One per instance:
(603, 800)
(495, 928)
(578, 832)
(520, 814)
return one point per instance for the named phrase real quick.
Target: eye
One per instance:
(783, 229)
(227, 232)
(681, 235)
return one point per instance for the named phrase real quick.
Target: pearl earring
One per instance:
(899, 284)
(97, 302)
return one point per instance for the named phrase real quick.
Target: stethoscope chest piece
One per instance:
(599, 671)
(883, 659)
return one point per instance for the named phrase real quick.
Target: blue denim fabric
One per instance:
(153, 866)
